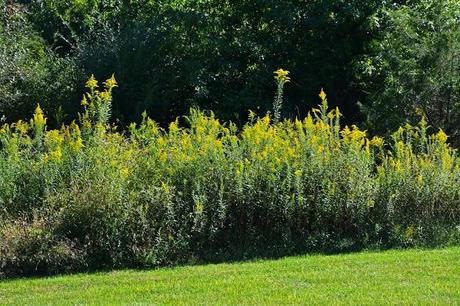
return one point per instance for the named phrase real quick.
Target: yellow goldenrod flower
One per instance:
(92, 82)
(441, 136)
(84, 101)
(111, 83)
(357, 134)
(338, 114)
(5, 129)
(105, 96)
(22, 127)
(56, 155)
(54, 139)
(282, 76)
(322, 95)
(77, 145)
(174, 127)
(39, 117)
(377, 142)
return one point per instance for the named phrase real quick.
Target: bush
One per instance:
(32, 248)
(92, 197)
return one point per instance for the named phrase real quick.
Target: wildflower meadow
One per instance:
(91, 195)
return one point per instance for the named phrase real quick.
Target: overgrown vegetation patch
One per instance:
(87, 197)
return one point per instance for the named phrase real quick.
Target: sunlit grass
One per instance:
(395, 277)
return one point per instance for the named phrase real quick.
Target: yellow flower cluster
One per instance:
(92, 83)
(111, 83)
(261, 151)
(39, 120)
(282, 76)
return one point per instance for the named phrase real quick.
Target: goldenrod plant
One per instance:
(86, 196)
(281, 78)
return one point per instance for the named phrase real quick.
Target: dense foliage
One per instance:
(414, 62)
(170, 55)
(87, 197)
(31, 72)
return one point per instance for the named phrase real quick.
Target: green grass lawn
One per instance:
(395, 277)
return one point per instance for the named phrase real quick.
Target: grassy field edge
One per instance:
(390, 277)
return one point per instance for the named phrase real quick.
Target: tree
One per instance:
(414, 63)
(214, 54)
(30, 72)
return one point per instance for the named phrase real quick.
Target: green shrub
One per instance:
(31, 248)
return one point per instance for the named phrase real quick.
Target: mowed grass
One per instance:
(394, 277)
